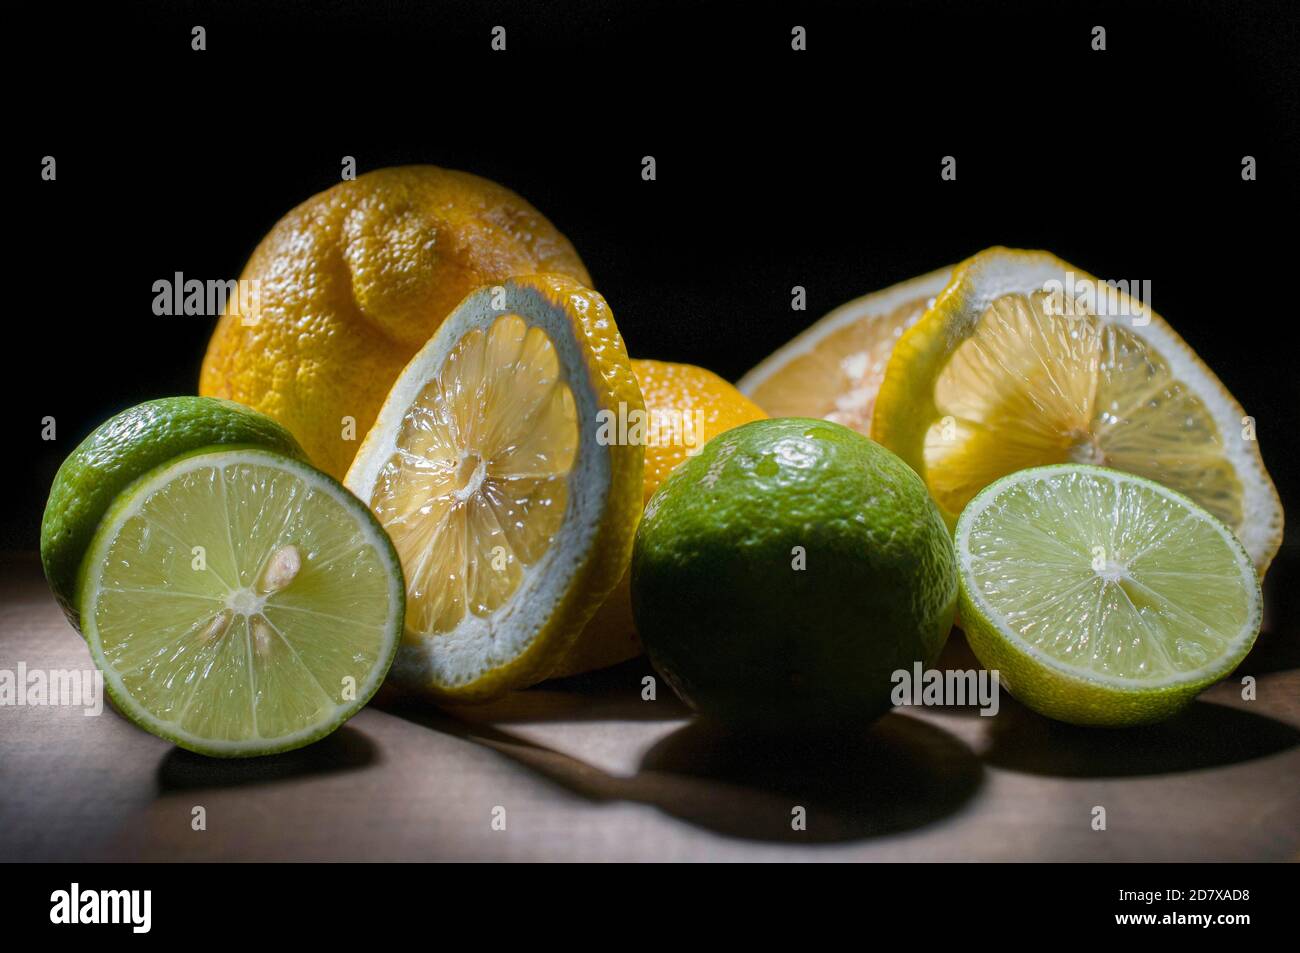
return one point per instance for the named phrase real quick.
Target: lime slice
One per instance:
(1102, 598)
(240, 602)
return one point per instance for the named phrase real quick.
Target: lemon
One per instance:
(1102, 598)
(834, 368)
(1000, 375)
(783, 574)
(689, 406)
(509, 498)
(240, 602)
(352, 282)
(121, 450)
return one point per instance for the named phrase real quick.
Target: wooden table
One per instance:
(587, 770)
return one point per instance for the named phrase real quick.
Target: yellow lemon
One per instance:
(1025, 360)
(685, 408)
(512, 516)
(351, 283)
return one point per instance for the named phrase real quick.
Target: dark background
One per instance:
(775, 168)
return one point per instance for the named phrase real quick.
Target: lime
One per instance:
(239, 602)
(123, 449)
(783, 574)
(1103, 598)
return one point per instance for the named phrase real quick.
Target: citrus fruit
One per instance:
(1001, 375)
(489, 467)
(834, 368)
(1102, 598)
(784, 573)
(124, 448)
(354, 281)
(686, 407)
(240, 602)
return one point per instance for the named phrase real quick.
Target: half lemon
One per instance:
(833, 369)
(509, 497)
(1025, 360)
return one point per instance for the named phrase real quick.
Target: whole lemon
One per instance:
(354, 281)
(686, 407)
(782, 575)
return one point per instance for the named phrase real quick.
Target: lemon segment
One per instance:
(1001, 375)
(512, 519)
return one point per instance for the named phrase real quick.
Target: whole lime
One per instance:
(124, 448)
(783, 574)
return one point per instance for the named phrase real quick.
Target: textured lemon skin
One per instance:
(1066, 695)
(905, 406)
(87, 581)
(354, 281)
(607, 370)
(747, 637)
(669, 389)
(124, 448)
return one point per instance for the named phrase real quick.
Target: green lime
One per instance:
(1101, 597)
(784, 573)
(123, 449)
(240, 602)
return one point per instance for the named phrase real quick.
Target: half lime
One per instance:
(1102, 598)
(240, 602)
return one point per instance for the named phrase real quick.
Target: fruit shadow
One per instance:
(612, 694)
(345, 750)
(899, 774)
(1205, 735)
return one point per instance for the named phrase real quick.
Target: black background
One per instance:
(775, 168)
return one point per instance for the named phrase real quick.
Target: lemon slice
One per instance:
(833, 369)
(1011, 369)
(509, 498)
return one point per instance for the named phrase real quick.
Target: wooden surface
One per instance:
(586, 770)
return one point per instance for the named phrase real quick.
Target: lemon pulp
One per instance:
(1037, 383)
(477, 485)
(839, 376)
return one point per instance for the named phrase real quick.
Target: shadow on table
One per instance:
(1205, 735)
(345, 750)
(899, 774)
(613, 694)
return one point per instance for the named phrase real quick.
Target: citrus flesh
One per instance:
(123, 449)
(689, 406)
(782, 575)
(834, 368)
(511, 518)
(240, 603)
(1000, 375)
(1102, 598)
(353, 282)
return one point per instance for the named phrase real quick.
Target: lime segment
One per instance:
(239, 602)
